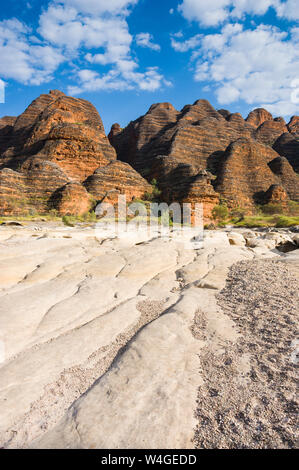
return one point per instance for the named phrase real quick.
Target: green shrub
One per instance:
(278, 221)
(271, 209)
(220, 213)
(66, 219)
(238, 213)
(155, 194)
(293, 208)
(285, 221)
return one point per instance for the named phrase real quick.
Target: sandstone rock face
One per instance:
(268, 132)
(64, 130)
(245, 174)
(287, 145)
(276, 195)
(71, 199)
(6, 127)
(288, 179)
(117, 178)
(31, 187)
(176, 146)
(60, 140)
(258, 116)
(293, 125)
(48, 151)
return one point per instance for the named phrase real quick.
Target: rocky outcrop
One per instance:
(6, 127)
(71, 199)
(176, 146)
(245, 175)
(288, 178)
(185, 183)
(268, 132)
(114, 179)
(57, 142)
(293, 125)
(287, 145)
(276, 195)
(258, 116)
(31, 188)
(194, 136)
(61, 129)
(60, 140)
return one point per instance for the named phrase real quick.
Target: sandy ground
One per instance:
(139, 342)
(248, 399)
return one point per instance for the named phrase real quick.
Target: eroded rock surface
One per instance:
(172, 146)
(113, 342)
(50, 150)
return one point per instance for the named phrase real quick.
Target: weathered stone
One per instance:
(245, 174)
(287, 145)
(174, 147)
(258, 116)
(293, 125)
(276, 195)
(288, 178)
(57, 140)
(71, 199)
(117, 178)
(268, 132)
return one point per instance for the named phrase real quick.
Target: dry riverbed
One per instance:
(139, 342)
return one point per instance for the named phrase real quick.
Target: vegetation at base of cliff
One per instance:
(52, 216)
(268, 215)
(71, 220)
(220, 213)
(155, 194)
(278, 221)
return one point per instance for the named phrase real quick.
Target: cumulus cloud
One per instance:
(66, 27)
(184, 46)
(213, 13)
(115, 79)
(93, 33)
(288, 9)
(257, 65)
(146, 40)
(98, 7)
(101, 26)
(22, 60)
(2, 91)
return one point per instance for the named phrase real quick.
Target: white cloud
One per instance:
(90, 33)
(288, 9)
(23, 61)
(227, 94)
(281, 108)
(66, 27)
(146, 40)
(2, 91)
(257, 66)
(184, 46)
(206, 12)
(150, 80)
(101, 26)
(215, 12)
(98, 7)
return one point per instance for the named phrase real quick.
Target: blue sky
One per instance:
(124, 55)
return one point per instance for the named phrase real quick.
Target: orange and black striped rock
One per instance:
(114, 179)
(175, 146)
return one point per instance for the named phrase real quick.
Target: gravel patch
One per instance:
(248, 399)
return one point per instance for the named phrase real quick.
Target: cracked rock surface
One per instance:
(141, 342)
